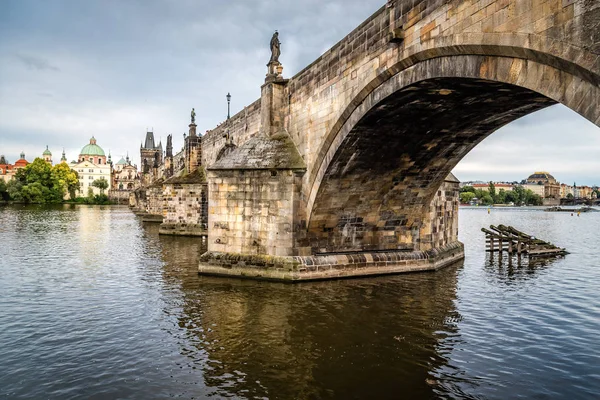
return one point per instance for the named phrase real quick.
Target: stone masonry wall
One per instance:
(155, 197)
(242, 126)
(440, 227)
(252, 211)
(186, 204)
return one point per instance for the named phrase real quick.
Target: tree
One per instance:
(492, 191)
(466, 197)
(519, 195)
(39, 171)
(101, 184)
(64, 180)
(487, 199)
(510, 197)
(569, 195)
(501, 197)
(467, 189)
(13, 188)
(3, 191)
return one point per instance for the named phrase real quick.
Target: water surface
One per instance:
(95, 304)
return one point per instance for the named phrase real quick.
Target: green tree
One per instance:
(466, 197)
(480, 193)
(101, 184)
(492, 191)
(13, 187)
(569, 195)
(64, 180)
(467, 189)
(519, 194)
(487, 199)
(501, 197)
(36, 193)
(39, 171)
(532, 198)
(510, 197)
(4, 191)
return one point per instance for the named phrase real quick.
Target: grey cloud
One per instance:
(128, 65)
(36, 63)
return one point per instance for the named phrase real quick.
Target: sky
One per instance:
(72, 69)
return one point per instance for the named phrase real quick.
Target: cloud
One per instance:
(36, 63)
(112, 69)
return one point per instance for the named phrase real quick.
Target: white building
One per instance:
(91, 166)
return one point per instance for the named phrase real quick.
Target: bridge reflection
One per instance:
(378, 338)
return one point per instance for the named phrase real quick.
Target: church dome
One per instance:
(46, 152)
(92, 149)
(537, 176)
(541, 178)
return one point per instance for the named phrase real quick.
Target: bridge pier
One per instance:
(257, 232)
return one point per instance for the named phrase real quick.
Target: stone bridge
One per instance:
(344, 168)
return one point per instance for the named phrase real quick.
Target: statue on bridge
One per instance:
(275, 48)
(193, 115)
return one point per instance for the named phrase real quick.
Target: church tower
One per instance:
(47, 155)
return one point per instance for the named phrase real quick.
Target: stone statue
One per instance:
(193, 116)
(275, 48)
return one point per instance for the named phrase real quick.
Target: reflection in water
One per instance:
(359, 338)
(95, 304)
(512, 269)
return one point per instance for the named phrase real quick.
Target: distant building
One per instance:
(543, 184)
(8, 171)
(498, 185)
(91, 165)
(47, 155)
(125, 175)
(151, 155)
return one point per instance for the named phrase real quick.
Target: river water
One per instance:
(95, 304)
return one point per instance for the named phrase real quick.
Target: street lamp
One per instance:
(228, 101)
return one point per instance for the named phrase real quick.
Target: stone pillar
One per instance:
(255, 198)
(193, 150)
(440, 225)
(271, 101)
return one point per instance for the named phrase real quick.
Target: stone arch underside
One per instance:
(380, 172)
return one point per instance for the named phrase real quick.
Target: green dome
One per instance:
(46, 152)
(92, 149)
(122, 161)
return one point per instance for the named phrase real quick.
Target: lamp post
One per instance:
(228, 102)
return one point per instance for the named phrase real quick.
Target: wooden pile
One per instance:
(506, 238)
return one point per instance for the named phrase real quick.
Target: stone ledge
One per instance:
(151, 218)
(179, 229)
(334, 266)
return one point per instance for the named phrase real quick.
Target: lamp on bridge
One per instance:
(228, 102)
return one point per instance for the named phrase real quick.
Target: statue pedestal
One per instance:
(275, 71)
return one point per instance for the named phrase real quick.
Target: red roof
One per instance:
(21, 162)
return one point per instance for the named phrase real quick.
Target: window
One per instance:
(91, 177)
(91, 170)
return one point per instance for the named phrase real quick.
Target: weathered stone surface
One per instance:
(334, 266)
(275, 152)
(253, 211)
(183, 229)
(186, 205)
(381, 118)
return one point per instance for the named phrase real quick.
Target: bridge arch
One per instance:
(379, 168)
